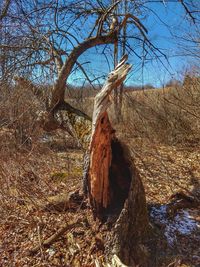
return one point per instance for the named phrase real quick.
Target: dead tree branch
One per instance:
(52, 239)
(59, 87)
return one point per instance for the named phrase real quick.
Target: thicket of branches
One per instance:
(43, 42)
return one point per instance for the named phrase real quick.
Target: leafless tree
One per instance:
(41, 38)
(47, 38)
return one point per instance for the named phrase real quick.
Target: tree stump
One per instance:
(114, 186)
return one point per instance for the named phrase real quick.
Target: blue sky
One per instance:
(170, 20)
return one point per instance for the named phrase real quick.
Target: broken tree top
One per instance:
(103, 142)
(115, 78)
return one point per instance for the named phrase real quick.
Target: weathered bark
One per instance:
(63, 116)
(129, 231)
(115, 189)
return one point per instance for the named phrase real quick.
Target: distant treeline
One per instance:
(73, 91)
(79, 92)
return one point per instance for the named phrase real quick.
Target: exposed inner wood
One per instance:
(100, 162)
(114, 186)
(109, 172)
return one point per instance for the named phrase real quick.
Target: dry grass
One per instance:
(162, 128)
(169, 115)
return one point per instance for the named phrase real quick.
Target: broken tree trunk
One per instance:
(115, 189)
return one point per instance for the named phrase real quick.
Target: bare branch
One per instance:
(59, 88)
(5, 9)
(187, 10)
(136, 21)
(104, 16)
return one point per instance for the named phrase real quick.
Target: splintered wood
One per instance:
(101, 139)
(100, 161)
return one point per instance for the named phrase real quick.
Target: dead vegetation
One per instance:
(37, 178)
(45, 130)
(170, 115)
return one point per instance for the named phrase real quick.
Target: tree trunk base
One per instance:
(129, 221)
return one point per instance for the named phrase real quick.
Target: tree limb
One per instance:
(66, 106)
(49, 241)
(5, 9)
(59, 87)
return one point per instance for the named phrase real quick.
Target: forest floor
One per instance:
(24, 223)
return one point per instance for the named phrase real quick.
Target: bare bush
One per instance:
(18, 110)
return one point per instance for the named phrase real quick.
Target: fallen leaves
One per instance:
(164, 170)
